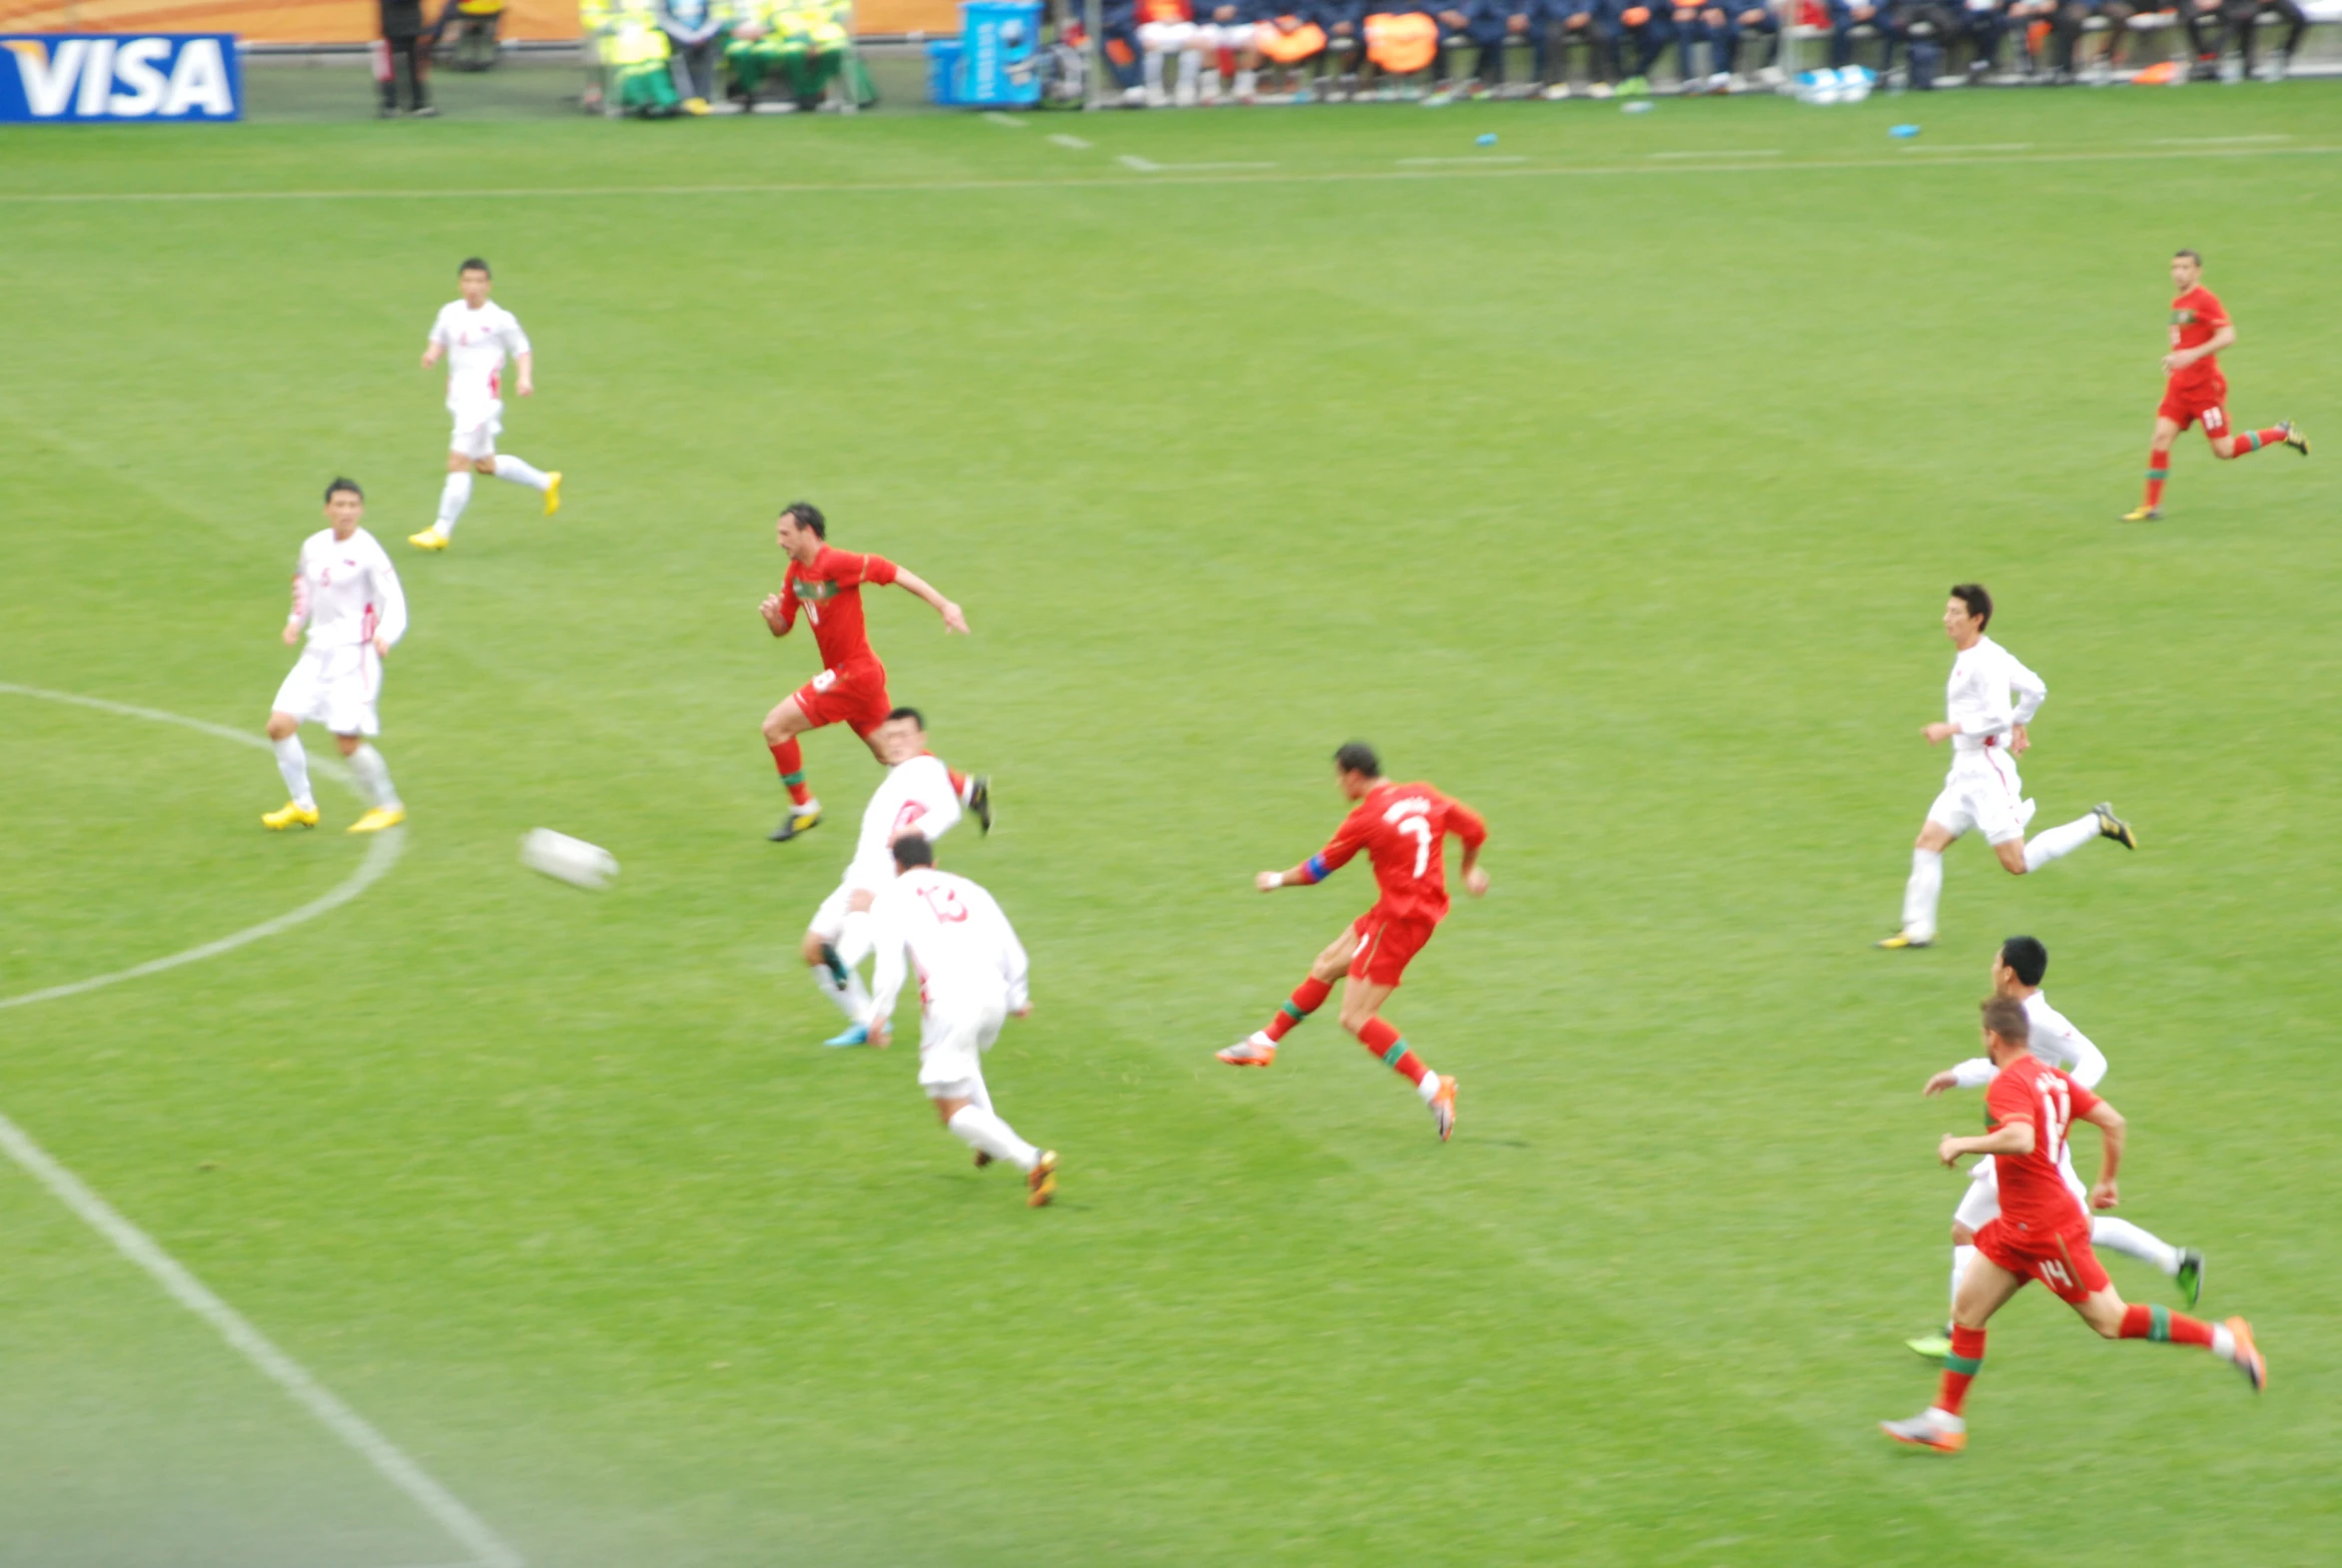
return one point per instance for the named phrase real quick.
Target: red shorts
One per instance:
(855, 696)
(2061, 1259)
(2183, 405)
(1386, 944)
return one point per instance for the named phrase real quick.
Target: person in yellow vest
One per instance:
(806, 37)
(635, 52)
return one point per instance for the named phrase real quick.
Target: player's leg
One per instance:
(2021, 854)
(2135, 1240)
(2167, 430)
(300, 804)
(782, 726)
(833, 974)
(1259, 1047)
(1983, 1290)
(1385, 947)
(373, 778)
(454, 493)
(1924, 888)
(547, 482)
(2106, 1312)
(1979, 1206)
(2244, 443)
(951, 1072)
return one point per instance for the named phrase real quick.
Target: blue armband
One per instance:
(1314, 868)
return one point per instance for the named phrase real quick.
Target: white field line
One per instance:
(386, 1457)
(1073, 142)
(1008, 120)
(1490, 158)
(1147, 166)
(2215, 141)
(1726, 152)
(1178, 174)
(1973, 147)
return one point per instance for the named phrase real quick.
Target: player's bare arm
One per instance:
(775, 614)
(1475, 875)
(432, 351)
(904, 577)
(524, 366)
(2013, 1137)
(2108, 1121)
(1939, 1082)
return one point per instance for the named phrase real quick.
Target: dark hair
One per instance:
(911, 849)
(913, 714)
(2196, 257)
(472, 264)
(2005, 1016)
(1979, 602)
(341, 485)
(2026, 957)
(808, 516)
(1358, 757)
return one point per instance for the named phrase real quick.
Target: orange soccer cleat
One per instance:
(1947, 1434)
(1257, 1050)
(1443, 1108)
(1041, 1183)
(2249, 1357)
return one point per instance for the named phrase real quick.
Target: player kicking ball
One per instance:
(1403, 828)
(346, 593)
(825, 586)
(2195, 389)
(475, 333)
(916, 796)
(971, 980)
(2043, 1233)
(1986, 728)
(2018, 970)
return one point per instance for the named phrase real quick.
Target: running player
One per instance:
(826, 586)
(916, 796)
(2195, 388)
(1981, 789)
(2017, 969)
(2043, 1231)
(346, 591)
(1403, 828)
(972, 978)
(475, 333)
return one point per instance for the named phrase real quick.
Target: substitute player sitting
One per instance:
(2043, 1233)
(2195, 389)
(825, 585)
(1403, 828)
(475, 333)
(916, 796)
(347, 593)
(973, 976)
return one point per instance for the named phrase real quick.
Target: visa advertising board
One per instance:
(115, 78)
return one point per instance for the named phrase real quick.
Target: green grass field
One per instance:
(1616, 490)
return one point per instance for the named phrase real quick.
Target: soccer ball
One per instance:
(570, 860)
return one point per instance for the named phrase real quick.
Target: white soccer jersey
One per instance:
(915, 797)
(2049, 1036)
(476, 342)
(969, 961)
(347, 591)
(1976, 697)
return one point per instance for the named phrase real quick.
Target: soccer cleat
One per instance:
(1947, 1434)
(380, 818)
(695, 106)
(430, 539)
(979, 801)
(2144, 514)
(2113, 827)
(2191, 1274)
(1899, 939)
(796, 822)
(2293, 437)
(1041, 1183)
(552, 491)
(292, 814)
(1934, 1347)
(1443, 1108)
(2249, 1358)
(982, 1160)
(835, 965)
(1257, 1050)
(859, 1035)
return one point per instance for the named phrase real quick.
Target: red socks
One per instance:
(2158, 469)
(2164, 1326)
(790, 759)
(1385, 1042)
(2254, 440)
(1961, 1368)
(1308, 998)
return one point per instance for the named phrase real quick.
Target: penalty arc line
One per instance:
(386, 1457)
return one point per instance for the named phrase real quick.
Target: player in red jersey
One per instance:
(2197, 390)
(2043, 1231)
(825, 585)
(1403, 829)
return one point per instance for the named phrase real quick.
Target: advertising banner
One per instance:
(107, 78)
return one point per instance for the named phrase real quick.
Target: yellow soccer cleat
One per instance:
(292, 814)
(380, 818)
(1899, 939)
(2144, 514)
(430, 539)
(1041, 1183)
(552, 491)
(801, 819)
(2293, 437)
(695, 106)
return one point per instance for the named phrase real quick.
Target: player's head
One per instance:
(802, 529)
(2022, 961)
(2007, 1029)
(1357, 767)
(474, 280)
(345, 505)
(1968, 612)
(903, 735)
(2186, 268)
(912, 850)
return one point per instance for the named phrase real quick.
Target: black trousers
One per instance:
(2240, 17)
(410, 62)
(2065, 29)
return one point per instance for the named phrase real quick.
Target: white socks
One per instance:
(519, 472)
(374, 776)
(1921, 893)
(851, 999)
(1191, 67)
(979, 1129)
(1959, 1261)
(293, 763)
(454, 495)
(2132, 1241)
(2223, 1342)
(1427, 1087)
(1152, 69)
(2055, 843)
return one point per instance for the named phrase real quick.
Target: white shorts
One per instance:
(1236, 36)
(1983, 792)
(1158, 37)
(951, 1052)
(335, 687)
(476, 428)
(828, 921)
(1980, 1204)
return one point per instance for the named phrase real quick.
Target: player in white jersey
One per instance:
(346, 592)
(2018, 970)
(916, 796)
(475, 333)
(971, 978)
(1986, 728)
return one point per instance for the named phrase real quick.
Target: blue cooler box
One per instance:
(995, 63)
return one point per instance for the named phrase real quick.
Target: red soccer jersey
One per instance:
(2033, 1194)
(2195, 316)
(830, 593)
(1404, 828)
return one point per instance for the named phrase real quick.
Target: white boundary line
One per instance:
(386, 1457)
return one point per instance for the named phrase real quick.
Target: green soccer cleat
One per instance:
(2113, 827)
(2191, 1274)
(1933, 1347)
